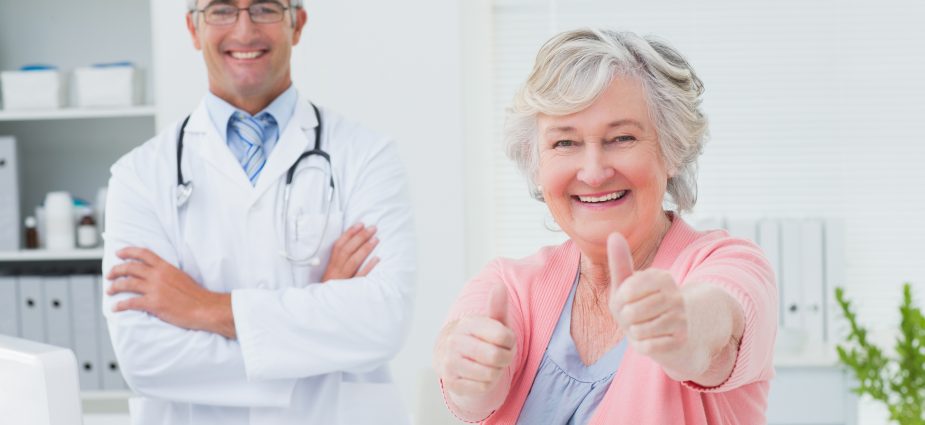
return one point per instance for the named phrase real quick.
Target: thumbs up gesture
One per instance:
(649, 307)
(473, 352)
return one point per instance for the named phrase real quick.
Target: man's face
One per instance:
(246, 59)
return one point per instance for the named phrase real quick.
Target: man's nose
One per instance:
(244, 24)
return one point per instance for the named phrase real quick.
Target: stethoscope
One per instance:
(185, 190)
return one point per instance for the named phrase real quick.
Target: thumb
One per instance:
(619, 260)
(497, 303)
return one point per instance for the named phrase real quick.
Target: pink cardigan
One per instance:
(640, 392)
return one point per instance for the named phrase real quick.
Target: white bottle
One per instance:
(86, 232)
(59, 221)
(40, 226)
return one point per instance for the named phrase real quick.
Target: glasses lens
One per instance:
(221, 14)
(266, 13)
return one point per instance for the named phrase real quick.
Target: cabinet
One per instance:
(72, 149)
(811, 391)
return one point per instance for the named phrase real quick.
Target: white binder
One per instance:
(835, 275)
(85, 306)
(769, 240)
(813, 280)
(9, 307)
(31, 311)
(58, 311)
(791, 274)
(112, 375)
(9, 195)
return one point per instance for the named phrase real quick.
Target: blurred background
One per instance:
(817, 114)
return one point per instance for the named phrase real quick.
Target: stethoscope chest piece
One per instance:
(184, 191)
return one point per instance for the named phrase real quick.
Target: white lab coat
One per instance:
(306, 353)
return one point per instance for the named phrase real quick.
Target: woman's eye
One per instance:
(623, 139)
(563, 144)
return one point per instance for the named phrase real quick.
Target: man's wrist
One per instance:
(217, 316)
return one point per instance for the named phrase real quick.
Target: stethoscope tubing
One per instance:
(185, 189)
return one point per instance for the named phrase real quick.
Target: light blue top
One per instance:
(565, 391)
(281, 109)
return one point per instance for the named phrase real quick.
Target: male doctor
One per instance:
(230, 302)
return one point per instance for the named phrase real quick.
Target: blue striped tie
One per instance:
(251, 130)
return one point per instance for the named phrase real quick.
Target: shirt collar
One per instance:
(281, 109)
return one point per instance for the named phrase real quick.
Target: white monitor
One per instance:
(38, 384)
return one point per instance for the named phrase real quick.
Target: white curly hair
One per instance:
(575, 67)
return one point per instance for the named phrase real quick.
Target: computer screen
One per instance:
(38, 383)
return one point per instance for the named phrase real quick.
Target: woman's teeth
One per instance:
(605, 198)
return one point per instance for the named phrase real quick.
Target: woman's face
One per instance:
(601, 168)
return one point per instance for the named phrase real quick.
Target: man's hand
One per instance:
(169, 294)
(350, 251)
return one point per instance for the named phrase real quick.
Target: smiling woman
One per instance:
(637, 318)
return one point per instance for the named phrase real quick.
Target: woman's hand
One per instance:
(692, 333)
(471, 356)
(651, 310)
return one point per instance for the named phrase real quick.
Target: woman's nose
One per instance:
(595, 170)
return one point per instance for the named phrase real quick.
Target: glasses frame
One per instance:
(250, 15)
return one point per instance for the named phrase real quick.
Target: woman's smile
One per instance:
(601, 200)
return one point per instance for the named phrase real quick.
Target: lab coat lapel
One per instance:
(203, 139)
(293, 140)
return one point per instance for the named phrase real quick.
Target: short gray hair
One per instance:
(575, 67)
(191, 4)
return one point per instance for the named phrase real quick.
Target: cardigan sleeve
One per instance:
(740, 268)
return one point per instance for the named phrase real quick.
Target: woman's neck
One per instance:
(594, 268)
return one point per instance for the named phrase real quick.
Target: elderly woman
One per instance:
(637, 318)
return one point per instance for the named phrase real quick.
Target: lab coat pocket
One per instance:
(310, 239)
(362, 403)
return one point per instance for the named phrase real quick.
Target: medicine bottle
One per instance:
(32, 233)
(86, 232)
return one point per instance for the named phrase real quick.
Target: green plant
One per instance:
(898, 382)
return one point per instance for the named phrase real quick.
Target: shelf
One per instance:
(76, 113)
(105, 407)
(105, 395)
(47, 255)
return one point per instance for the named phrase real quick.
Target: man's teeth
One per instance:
(605, 198)
(245, 55)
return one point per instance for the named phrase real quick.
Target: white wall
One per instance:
(394, 66)
(399, 72)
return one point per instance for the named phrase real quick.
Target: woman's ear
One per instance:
(672, 169)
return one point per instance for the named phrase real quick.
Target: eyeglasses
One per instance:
(260, 13)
